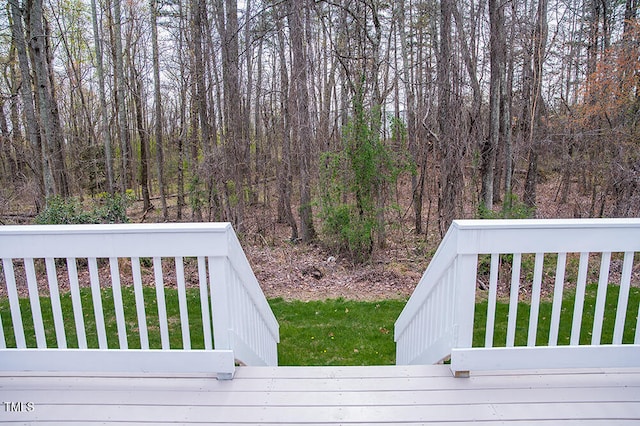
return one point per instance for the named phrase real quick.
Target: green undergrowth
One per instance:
(330, 332)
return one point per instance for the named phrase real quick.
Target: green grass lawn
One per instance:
(331, 332)
(566, 318)
(336, 332)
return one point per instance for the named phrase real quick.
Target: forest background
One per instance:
(360, 126)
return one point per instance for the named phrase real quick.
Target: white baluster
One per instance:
(491, 302)
(34, 297)
(623, 298)
(139, 297)
(535, 299)
(56, 308)
(557, 299)
(97, 303)
(117, 302)
(204, 302)
(513, 299)
(161, 302)
(578, 306)
(603, 283)
(76, 301)
(14, 304)
(182, 301)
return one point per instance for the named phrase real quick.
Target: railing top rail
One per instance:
(115, 240)
(467, 224)
(547, 235)
(121, 228)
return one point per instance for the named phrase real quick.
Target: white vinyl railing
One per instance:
(161, 262)
(438, 321)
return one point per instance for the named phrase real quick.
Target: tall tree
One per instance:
(284, 131)
(123, 128)
(303, 133)
(234, 137)
(42, 170)
(47, 104)
(106, 132)
(450, 180)
(418, 177)
(153, 4)
(497, 55)
(538, 109)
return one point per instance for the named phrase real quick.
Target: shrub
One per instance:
(354, 178)
(106, 208)
(512, 208)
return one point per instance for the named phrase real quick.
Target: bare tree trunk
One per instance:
(60, 174)
(417, 178)
(41, 168)
(233, 126)
(450, 181)
(246, 105)
(106, 132)
(182, 106)
(8, 166)
(18, 153)
(203, 174)
(144, 139)
(301, 114)
(38, 49)
(284, 122)
(538, 107)
(497, 53)
(506, 115)
(123, 131)
(593, 43)
(158, 107)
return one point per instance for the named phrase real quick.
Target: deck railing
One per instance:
(528, 257)
(213, 290)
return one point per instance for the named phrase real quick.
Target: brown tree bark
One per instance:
(235, 142)
(143, 134)
(153, 5)
(106, 132)
(46, 103)
(124, 138)
(301, 114)
(538, 110)
(497, 58)
(285, 212)
(40, 166)
(450, 180)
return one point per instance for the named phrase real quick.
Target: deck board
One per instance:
(406, 395)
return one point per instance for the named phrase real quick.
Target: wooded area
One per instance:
(340, 114)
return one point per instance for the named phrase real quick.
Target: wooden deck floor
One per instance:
(325, 395)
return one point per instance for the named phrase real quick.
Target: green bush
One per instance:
(347, 231)
(512, 208)
(112, 208)
(105, 208)
(355, 177)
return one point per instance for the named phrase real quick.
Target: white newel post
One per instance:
(219, 276)
(464, 304)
